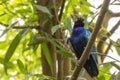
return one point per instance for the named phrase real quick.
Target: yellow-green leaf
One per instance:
(14, 45)
(21, 66)
(43, 9)
(47, 55)
(55, 28)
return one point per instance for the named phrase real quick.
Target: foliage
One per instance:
(47, 55)
(117, 45)
(103, 74)
(19, 60)
(20, 49)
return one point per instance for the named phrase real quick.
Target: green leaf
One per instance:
(14, 45)
(21, 66)
(101, 77)
(55, 28)
(53, 41)
(47, 55)
(34, 42)
(117, 46)
(6, 30)
(115, 65)
(105, 71)
(1, 60)
(106, 67)
(43, 9)
(8, 65)
(65, 53)
(59, 45)
(69, 25)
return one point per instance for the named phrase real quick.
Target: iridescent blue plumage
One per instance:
(78, 40)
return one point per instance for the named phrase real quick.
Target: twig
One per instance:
(55, 11)
(113, 2)
(102, 54)
(113, 14)
(114, 28)
(21, 27)
(93, 18)
(108, 34)
(3, 24)
(108, 48)
(86, 52)
(61, 10)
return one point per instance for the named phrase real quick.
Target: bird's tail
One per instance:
(91, 67)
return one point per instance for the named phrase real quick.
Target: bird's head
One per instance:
(79, 22)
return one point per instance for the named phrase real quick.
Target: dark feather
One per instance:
(78, 40)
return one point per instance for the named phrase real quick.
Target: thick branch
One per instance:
(86, 52)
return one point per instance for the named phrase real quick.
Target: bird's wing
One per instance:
(91, 63)
(78, 45)
(93, 50)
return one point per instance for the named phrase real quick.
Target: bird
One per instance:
(78, 40)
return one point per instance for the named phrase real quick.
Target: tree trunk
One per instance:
(45, 66)
(60, 67)
(67, 67)
(46, 27)
(53, 6)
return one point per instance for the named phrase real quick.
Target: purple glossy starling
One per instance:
(78, 40)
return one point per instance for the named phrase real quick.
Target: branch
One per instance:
(86, 52)
(93, 18)
(114, 28)
(103, 39)
(21, 27)
(3, 24)
(55, 12)
(108, 48)
(61, 10)
(106, 52)
(108, 16)
(101, 54)
(113, 14)
(113, 2)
